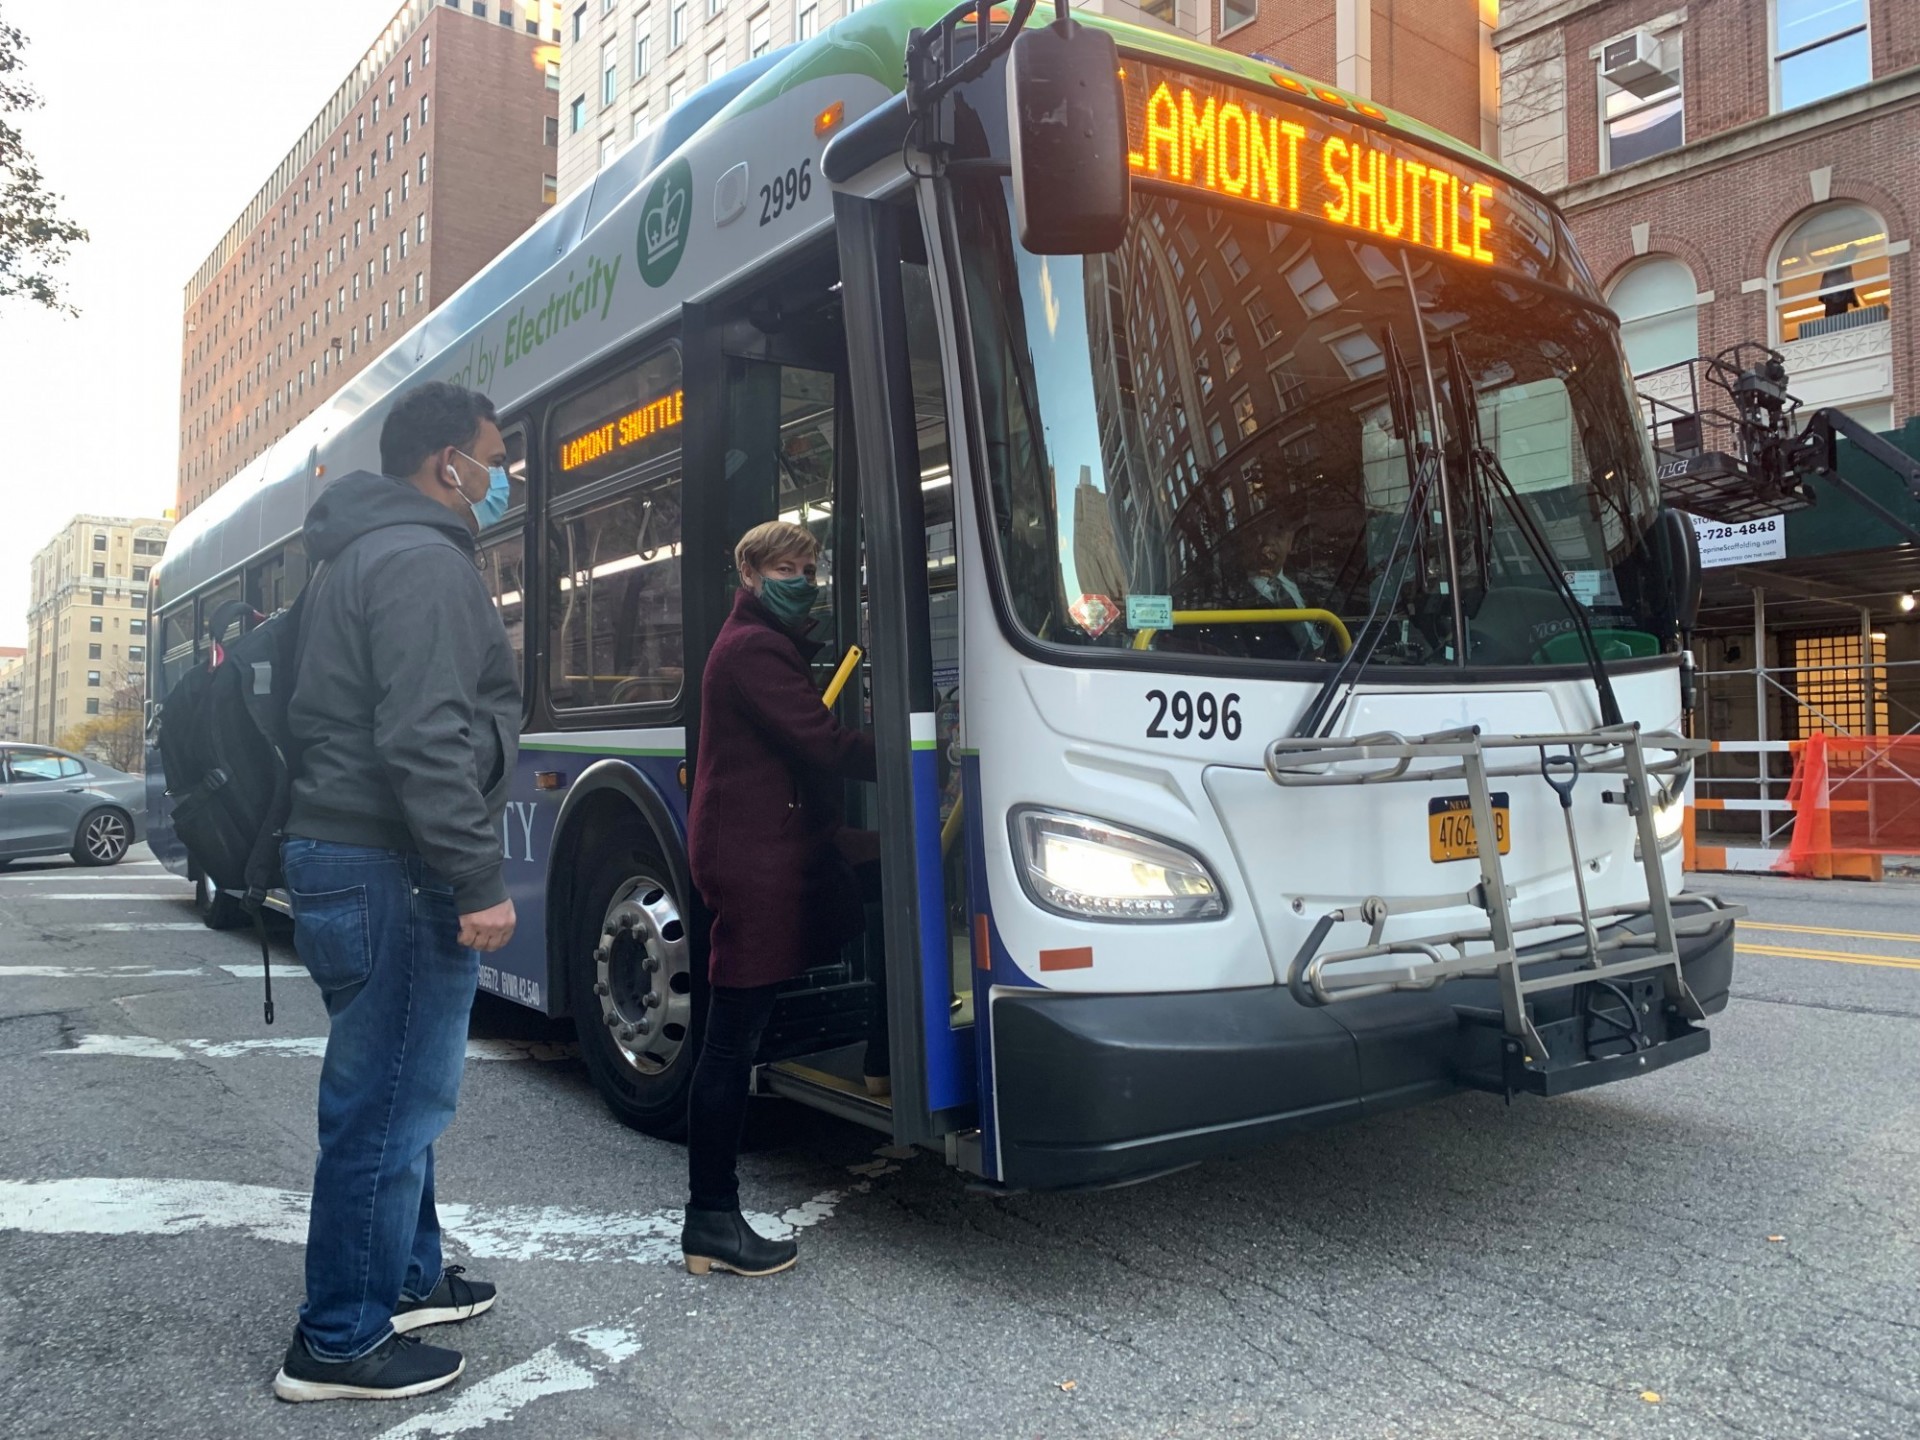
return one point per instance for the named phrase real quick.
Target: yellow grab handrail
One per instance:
(951, 827)
(840, 677)
(1254, 617)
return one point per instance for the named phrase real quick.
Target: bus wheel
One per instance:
(634, 991)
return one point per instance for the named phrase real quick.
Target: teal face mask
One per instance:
(791, 600)
(491, 509)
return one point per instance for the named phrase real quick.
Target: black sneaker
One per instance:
(396, 1370)
(454, 1299)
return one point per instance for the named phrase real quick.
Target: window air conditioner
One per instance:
(1633, 63)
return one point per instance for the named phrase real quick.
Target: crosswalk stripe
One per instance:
(86, 877)
(93, 895)
(310, 1047)
(280, 972)
(85, 972)
(134, 927)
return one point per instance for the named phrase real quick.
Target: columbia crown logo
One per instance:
(662, 223)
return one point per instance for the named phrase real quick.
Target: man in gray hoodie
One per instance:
(407, 713)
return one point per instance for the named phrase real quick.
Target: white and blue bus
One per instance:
(1243, 508)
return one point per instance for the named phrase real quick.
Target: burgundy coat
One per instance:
(765, 811)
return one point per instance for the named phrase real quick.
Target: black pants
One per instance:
(717, 1101)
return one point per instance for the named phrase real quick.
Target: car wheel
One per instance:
(103, 838)
(637, 1005)
(218, 910)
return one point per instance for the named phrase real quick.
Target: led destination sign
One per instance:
(622, 433)
(1208, 136)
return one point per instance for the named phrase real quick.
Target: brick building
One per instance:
(13, 691)
(434, 154)
(1735, 170)
(1431, 59)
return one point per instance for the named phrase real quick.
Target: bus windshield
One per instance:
(1205, 444)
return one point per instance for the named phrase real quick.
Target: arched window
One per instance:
(1659, 324)
(1832, 274)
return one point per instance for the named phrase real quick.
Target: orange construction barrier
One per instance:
(1854, 798)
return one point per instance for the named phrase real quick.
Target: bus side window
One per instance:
(175, 646)
(614, 621)
(503, 550)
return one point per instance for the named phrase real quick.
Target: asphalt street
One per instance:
(1729, 1247)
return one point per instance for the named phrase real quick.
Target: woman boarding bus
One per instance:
(1241, 498)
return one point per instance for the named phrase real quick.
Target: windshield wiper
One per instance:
(1423, 468)
(1484, 464)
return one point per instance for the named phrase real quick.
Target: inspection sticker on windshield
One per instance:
(1094, 613)
(1149, 612)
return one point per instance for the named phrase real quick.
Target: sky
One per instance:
(159, 125)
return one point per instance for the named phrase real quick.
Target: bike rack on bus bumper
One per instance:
(1607, 954)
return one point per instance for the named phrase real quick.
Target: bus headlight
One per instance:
(1668, 820)
(1087, 869)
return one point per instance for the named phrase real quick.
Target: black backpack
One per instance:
(229, 754)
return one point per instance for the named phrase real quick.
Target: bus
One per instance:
(1242, 509)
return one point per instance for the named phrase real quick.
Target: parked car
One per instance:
(53, 803)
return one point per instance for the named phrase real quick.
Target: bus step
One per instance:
(814, 1080)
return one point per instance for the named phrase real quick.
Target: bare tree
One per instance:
(33, 235)
(117, 735)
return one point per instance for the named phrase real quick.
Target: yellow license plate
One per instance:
(1450, 832)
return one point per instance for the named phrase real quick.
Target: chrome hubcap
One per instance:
(106, 837)
(641, 976)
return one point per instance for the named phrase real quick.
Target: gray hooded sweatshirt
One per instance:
(407, 705)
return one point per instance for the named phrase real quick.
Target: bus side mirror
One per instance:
(1682, 547)
(1067, 121)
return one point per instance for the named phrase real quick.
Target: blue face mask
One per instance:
(491, 509)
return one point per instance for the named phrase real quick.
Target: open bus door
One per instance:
(780, 441)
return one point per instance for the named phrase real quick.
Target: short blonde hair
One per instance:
(764, 544)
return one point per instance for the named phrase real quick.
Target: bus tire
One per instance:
(637, 1005)
(217, 909)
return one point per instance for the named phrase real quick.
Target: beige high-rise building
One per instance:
(86, 624)
(625, 63)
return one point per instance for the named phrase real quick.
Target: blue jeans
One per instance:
(379, 933)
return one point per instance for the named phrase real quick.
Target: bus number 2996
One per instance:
(1206, 714)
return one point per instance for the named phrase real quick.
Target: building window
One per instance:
(579, 21)
(406, 129)
(420, 279)
(1659, 321)
(386, 314)
(1832, 274)
(136, 627)
(609, 147)
(609, 73)
(553, 74)
(550, 128)
(93, 679)
(677, 25)
(642, 47)
(714, 7)
(393, 90)
(1819, 49)
(676, 92)
(577, 115)
(760, 34)
(100, 570)
(96, 624)
(808, 23)
(549, 190)
(99, 597)
(423, 169)
(93, 651)
(403, 243)
(139, 574)
(1647, 120)
(716, 63)
(420, 230)
(1310, 286)
(407, 69)
(99, 542)
(426, 52)
(386, 259)
(137, 653)
(1235, 13)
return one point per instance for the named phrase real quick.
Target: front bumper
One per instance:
(1101, 1089)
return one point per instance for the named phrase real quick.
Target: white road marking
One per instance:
(135, 927)
(97, 895)
(82, 972)
(86, 877)
(100, 1206)
(146, 1047)
(280, 972)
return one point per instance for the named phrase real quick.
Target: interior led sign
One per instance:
(622, 432)
(1224, 140)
